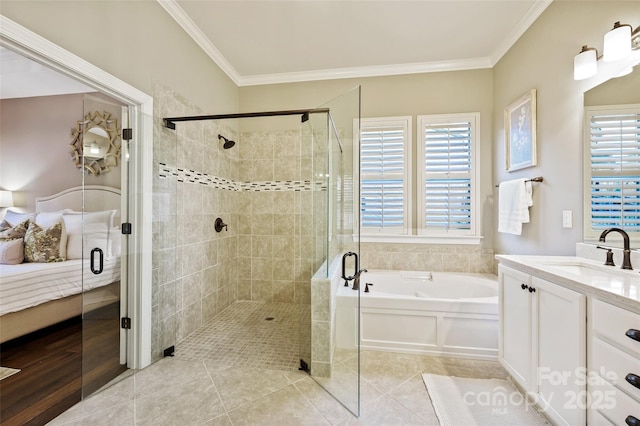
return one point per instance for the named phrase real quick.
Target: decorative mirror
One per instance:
(96, 143)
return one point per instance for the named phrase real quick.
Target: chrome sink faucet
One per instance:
(626, 257)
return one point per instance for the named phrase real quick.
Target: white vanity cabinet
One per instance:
(543, 342)
(614, 360)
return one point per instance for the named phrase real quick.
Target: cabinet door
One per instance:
(560, 330)
(516, 353)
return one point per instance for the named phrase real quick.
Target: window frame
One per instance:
(473, 233)
(590, 234)
(411, 234)
(395, 121)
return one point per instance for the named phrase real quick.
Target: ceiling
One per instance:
(23, 78)
(264, 42)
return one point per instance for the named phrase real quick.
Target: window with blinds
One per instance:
(447, 173)
(613, 137)
(384, 159)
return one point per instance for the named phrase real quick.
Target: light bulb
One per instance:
(95, 149)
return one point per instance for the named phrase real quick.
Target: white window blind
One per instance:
(447, 173)
(383, 175)
(614, 165)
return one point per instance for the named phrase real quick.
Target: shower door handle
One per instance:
(344, 261)
(92, 265)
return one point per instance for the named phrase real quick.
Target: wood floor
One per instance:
(52, 364)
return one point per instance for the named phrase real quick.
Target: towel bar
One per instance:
(535, 179)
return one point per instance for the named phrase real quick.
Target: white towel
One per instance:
(514, 200)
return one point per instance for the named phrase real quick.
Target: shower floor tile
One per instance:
(248, 334)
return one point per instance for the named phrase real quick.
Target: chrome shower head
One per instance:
(227, 142)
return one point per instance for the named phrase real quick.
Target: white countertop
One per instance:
(592, 278)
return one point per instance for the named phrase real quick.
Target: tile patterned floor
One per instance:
(248, 334)
(203, 385)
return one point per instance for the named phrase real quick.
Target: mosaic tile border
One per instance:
(192, 176)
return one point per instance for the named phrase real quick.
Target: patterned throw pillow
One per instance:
(43, 245)
(8, 232)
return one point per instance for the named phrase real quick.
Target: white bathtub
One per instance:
(439, 313)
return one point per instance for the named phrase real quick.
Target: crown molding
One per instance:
(179, 15)
(523, 25)
(360, 72)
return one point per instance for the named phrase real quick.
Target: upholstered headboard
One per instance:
(94, 197)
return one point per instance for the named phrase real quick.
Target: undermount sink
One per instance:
(584, 269)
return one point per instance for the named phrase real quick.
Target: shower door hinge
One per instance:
(126, 323)
(126, 228)
(127, 134)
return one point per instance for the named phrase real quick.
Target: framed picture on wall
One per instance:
(520, 132)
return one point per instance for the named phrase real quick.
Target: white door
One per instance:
(516, 327)
(561, 351)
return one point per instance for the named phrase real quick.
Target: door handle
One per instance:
(344, 262)
(633, 380)
(93, 261)
(633, 334)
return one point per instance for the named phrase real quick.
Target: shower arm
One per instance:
(170, 122)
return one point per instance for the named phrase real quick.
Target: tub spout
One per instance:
(356, 279)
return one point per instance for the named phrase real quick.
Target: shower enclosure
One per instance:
(249, 208)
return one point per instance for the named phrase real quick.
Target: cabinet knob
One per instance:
(524, 286)
(532, 290)
(633, 334)
(632, 421)
(633, 380)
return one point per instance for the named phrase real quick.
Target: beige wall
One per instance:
(543, 59)
(617, 91)
(136, 41)
(35, 159)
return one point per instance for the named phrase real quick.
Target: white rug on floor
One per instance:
(6, 372)
(460, 401)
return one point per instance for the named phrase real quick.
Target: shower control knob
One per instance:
(219, 224)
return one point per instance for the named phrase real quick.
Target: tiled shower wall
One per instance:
(275, 244)
(194, 267)
(262, 188)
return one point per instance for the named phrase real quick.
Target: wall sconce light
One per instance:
(6, 199)
(585, 63)
(618, 44)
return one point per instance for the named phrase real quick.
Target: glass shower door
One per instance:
(105, 195)
(328, 230)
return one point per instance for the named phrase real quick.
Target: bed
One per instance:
(37, 295)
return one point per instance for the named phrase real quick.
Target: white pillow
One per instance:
(46, 220)
(115, 238)
(11, 252)
(14, 218)
(96, 232)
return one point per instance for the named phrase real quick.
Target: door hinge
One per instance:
(127, 134)
(126, 323)
(305, 117)
(126, 228)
